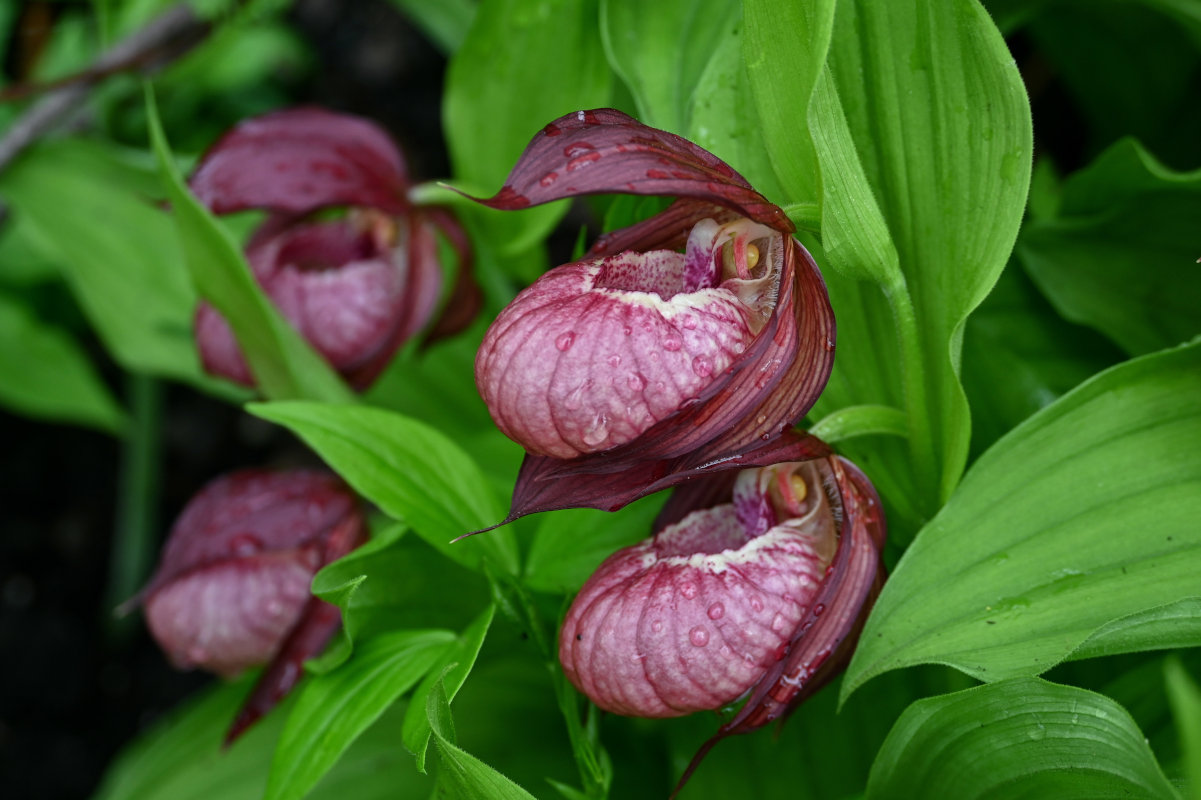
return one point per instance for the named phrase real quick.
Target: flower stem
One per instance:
(137, 499)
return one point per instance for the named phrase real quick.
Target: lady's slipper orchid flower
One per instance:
(232, 587)
(357, 287)
(689, 340)
(755, 584)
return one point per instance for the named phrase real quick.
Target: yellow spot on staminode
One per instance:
(800, 489)
(752, 256)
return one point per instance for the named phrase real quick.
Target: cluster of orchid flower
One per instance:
(679, 352)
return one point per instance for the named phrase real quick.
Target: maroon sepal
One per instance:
(318, 622)
(605, 151)
(823, 644)
(300, 160)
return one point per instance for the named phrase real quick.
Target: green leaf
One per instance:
(395, 582)
(1021, 738)
(413, 472)
(119, 254)
(1123, 69)
(1082, 516)
(498, 96)
(283, 364)
(332, 710)
(723, 118)
(445, 23)
(462, 774)
(784, 49)
(848, 423)
(45, 374)
(452, 670)
(941, 130)
(182, 758)
(1185, 697)
(569, 545)
(1019, 356)
(1121, 256)
(660, 51)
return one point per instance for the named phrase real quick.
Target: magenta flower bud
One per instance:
(355, 288)
(232, 587)
(692, 339)
(755, 584)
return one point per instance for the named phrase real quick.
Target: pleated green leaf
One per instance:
(411, 471)
(1021, 738)
(1075, 535)
(333, 709)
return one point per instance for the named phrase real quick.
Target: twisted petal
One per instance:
(606, 151)
(300, 160)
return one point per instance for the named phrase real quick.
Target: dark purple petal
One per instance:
(606, 151)
(354, 288)
(246, 513)
(301, 160)
(547, 484)
(316, 624)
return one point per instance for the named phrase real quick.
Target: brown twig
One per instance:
(162, 40)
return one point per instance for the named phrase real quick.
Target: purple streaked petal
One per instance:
(301, 160)
(606, 151)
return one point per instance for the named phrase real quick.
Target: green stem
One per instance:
(921, 435)
(137, 500)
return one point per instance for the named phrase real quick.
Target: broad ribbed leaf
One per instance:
(941, 129)
(1121, 255)
(1021, 738)
(410, 470)
(497, 95)
(1185, 698)
(332, 710)
(283, 364)
(1019, 355)
(661, 50)
(784, 49)
(1081, 517)
(45, 374)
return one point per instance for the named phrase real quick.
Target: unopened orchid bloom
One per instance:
(232, 587)
(755, 585)
(692, 339)
(355, 287)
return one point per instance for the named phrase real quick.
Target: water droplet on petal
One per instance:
(549, 178)
(698, 636)
(702, 366)
(597, 432)
(656, 626)
(688, 323)
(688, 589)
(564, 342)
(244, 545)
(627, 330)
(614, 360)
(717, 611)
(671, 343)
(818, 610)
(756, 604)
(777, 623)
(636, 382)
